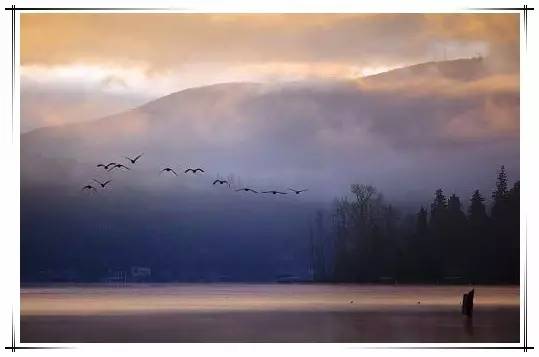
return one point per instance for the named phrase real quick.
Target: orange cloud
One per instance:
(172, 40)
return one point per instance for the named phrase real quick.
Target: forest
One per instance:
(364, 239)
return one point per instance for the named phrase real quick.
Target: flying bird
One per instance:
(118, 166)
(89, 187)
(275, 192)
(193, 170)
(168, 169)
(133, 160)
(102, 184)
(298, 191)
(221, 182)
(246, 189)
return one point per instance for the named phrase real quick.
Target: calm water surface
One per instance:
(266, 313)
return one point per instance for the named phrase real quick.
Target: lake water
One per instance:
(266, 313)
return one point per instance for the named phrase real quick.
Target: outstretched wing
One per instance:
(214, 182)
(174, 172)
(281, 193)
(252, 190)
(198, 170)
(106, 183)
(136, 158)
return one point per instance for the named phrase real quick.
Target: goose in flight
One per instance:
(118, 166)
(275, 192)
(102, 184)
(133, 160)
(298, 191)
(246, 189)
(88, 187)
(193, 171)
(106, 167)
(221, 182)
(168, 169)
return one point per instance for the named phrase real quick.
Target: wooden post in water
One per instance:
(467, 303)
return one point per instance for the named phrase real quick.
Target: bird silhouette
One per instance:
(102, 184)
(298, 191)
(118, 166)
(168, 169)
(221, 182)
(246, 189)
(193, 170)
(102, 165)
(275, 192)
(89, 187)
(133, 160)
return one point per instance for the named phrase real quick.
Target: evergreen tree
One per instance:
(481, 254)
(438, 236)
(421, 222)
(456, 247)
(477, 212)
(503, 229)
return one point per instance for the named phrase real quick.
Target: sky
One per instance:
(77, 67)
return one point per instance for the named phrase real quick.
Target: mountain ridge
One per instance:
(420, 68)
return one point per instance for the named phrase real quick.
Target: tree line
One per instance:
(365, 239)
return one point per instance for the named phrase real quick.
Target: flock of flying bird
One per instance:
(114, 165)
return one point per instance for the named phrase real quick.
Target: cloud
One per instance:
(164, 41)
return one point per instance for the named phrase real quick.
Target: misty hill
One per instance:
(466, 69)
(317, 134)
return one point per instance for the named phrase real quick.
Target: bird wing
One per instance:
(138, 157)
(266, 191)
(253, 191)
(199, 170)
(174, 172)
(238, 190)
(106, 182)
(214, 182)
